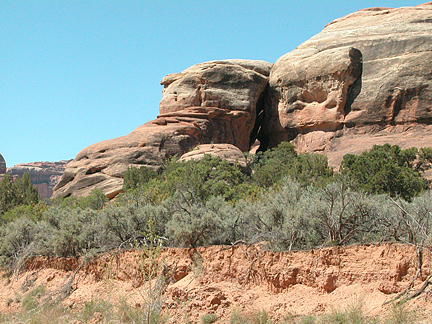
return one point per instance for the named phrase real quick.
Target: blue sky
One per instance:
(73, 73)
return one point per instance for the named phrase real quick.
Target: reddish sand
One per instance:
(221, 279)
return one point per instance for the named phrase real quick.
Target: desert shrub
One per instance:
(120, 225)
(403, 221)
(16, 193)
(293, 216)
(343, 215)
(202, 179)
(271, 166)
(388, 169)
(194, 223)
(96, 200)
(34, 212)
(280, 217)
(134, 177)
(418, 215)
(72, 232)
(17, 236)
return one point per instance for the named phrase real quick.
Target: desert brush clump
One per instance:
(290, 200)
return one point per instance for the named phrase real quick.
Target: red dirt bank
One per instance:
(220, 279)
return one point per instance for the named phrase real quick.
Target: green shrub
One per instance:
(96, 200)
(34, 212)
(194, 223)
(270, 167)
(388, 169)
(207, 177)
(134, 177)
(16, 193)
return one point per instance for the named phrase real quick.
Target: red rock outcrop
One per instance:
(366, 76)
(322, 96)
(209, 102)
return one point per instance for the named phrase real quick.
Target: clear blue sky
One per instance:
(73, 73)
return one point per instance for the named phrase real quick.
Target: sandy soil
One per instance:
(221, 279)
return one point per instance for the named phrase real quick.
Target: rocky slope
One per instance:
(222, 279)
(365, 79)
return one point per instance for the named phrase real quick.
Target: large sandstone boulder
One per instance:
(367, 73)
(213, 102)
(223, 98)
(227, 152)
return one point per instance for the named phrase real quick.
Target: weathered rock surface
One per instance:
(43, 175)
(209, 102)
(221, 97)
(365, 79)
(371, 69)
(227, 152)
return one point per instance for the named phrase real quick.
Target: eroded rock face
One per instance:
(209, 102)
(370, 68)
(366, 76)
(310, 90)
(222, 98)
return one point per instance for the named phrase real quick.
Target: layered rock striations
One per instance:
(365, 79)
(212, 102)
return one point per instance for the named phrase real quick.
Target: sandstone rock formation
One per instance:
(366, 76)
(209, 102)
(227, 152)
(310, 90)
(43, 175)
(385, 91)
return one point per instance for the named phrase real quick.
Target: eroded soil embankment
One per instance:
(219, 279)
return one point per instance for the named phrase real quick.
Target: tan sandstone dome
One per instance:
(365, 79)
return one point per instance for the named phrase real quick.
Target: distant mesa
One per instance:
(365, 79)
(43, 175)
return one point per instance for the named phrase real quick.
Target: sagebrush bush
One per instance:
(291, 201)
(194, 223)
